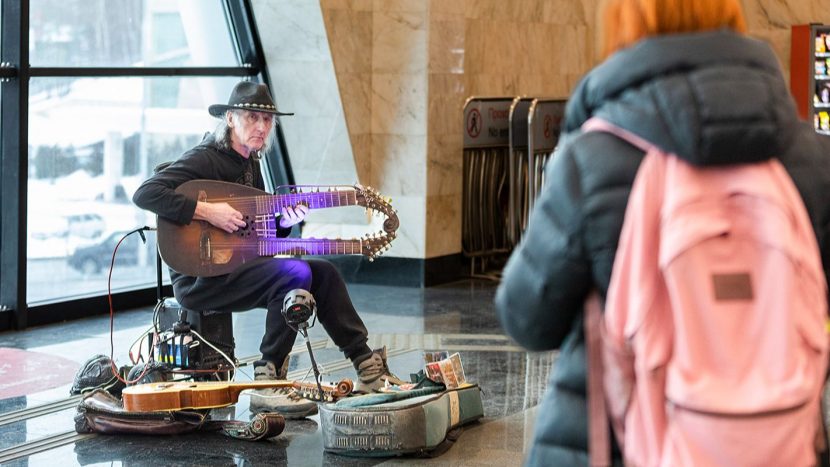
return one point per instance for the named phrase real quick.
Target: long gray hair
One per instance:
(222, 133)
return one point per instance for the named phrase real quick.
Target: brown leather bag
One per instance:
(101, 412)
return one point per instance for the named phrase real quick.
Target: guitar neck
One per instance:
(309, 246)
(236, 388)
(314, 200)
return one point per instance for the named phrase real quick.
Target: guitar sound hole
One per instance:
(245, 230)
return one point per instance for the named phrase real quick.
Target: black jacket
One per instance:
(206, 161)
(711, 98)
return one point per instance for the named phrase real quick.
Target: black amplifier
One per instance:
(181, 348)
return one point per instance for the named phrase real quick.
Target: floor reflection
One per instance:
(457, 317)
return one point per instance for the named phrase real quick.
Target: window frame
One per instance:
(15, 73)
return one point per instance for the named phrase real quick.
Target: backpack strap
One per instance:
(599, 124)
(599, 441)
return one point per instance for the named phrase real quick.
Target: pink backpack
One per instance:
(714, 341)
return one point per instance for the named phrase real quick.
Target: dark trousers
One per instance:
(263, 283)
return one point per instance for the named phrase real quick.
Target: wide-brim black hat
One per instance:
(248, 96)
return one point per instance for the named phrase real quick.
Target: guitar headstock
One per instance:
(369, 198)
(331, 393)
(374, 245)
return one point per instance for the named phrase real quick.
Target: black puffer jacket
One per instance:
(712, 98)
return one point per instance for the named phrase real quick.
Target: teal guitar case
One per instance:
(382, 425)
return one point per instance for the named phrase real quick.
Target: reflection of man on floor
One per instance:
(231, 154)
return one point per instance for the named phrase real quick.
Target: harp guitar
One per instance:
(200, 249)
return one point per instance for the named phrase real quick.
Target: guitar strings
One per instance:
(317, 196)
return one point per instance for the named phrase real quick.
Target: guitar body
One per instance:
(180, 395)
(200, 249)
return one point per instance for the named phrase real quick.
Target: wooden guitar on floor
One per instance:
(200, 249)
(180, 395)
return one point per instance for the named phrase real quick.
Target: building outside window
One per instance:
(93, 139)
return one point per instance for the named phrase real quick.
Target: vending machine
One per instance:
(810, 74)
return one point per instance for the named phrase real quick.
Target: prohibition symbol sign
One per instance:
(546, 125)
(474, 123)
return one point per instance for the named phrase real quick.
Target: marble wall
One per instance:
(321, 149)
(536, 48)
(380, 55)
(379, 86)
(770, 21)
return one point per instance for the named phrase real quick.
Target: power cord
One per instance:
(115, 371)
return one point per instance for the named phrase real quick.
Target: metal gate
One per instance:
(544, 122)
(485, 194)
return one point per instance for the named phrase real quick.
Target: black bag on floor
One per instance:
(96, 373)
(101, 412)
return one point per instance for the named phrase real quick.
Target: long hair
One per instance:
(624, 22)
(222, 133)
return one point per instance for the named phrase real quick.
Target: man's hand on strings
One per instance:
(290, 215)
(220, 215)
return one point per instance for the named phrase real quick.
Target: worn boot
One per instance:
(284, 401)
(373, 373)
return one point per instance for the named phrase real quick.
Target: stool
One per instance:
(213, 327)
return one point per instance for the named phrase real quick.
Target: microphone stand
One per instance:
(303, 329)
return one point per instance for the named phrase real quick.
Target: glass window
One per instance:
(92, 141)
(124, 33)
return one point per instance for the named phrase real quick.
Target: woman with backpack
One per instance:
(682, 75)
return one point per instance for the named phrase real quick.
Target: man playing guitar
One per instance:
(231, 154)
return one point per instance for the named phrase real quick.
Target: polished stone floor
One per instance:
(37, 428)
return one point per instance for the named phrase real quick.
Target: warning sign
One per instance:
(474, 123)
(546, 124)
(487, 122)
